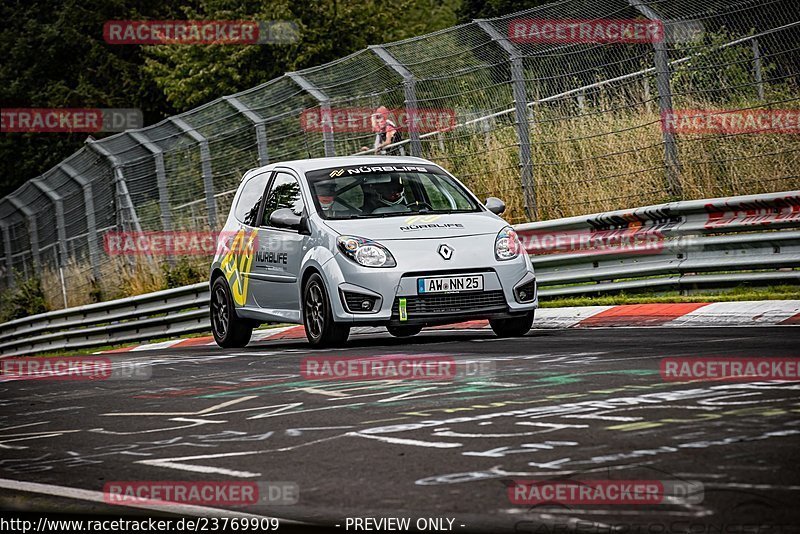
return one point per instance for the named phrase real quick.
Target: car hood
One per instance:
(419, 226)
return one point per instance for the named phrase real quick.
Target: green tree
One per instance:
(328, 30)
(485, 9)
(54, 55)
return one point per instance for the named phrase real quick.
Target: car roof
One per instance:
(305, 165)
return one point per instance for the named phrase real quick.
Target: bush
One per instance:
(27, 298)
(183, 273)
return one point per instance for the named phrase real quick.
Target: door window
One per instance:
(249, 202)
(283, 193)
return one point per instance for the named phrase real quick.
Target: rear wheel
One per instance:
(512, 327)
(404, 331)
(229, 330)
(321, 329)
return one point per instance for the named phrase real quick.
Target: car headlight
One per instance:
(365, 252)
(507, 245)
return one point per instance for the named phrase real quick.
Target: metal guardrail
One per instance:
(167, 313)
(723, 241)
(719, 242)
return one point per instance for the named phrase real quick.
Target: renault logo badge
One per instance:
(445, 251)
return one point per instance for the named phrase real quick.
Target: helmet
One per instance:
(392, 192)
(325, 191)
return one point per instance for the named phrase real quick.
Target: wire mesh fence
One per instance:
(569, 108)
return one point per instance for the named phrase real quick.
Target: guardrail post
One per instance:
(33, 231)
(410, 91)
(664, 88)
(7, 249)
(161, 177)
(123, 195)
(325, 108)
(91, 225)
(757, 70)
(205, 162)
(258, 122)
(521, 115)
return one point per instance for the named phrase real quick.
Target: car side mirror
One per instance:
(285, 218)
(495, 205)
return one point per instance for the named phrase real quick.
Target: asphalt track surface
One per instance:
(586, 403)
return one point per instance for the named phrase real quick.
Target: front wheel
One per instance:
(230, 332)
(404, 331)
(321, 329)
(512, 327)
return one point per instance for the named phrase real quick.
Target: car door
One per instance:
(240, 240)
(280, 250)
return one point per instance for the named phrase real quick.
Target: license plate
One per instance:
(450, 284)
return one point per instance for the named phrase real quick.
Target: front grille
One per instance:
(430, 305)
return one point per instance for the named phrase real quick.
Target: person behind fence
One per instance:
(386, 133)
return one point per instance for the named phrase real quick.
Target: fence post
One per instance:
(410, 91)
(757, 70)
(61, 226)
(7, 250)
(258, 123)
(123, 195)
(91, 225)
(205, 163)
(33, 231)
(520, 115)
(581, 98)
(325, 107)
(161, 178)
(646, 93)
(61, 229)
(664, 88)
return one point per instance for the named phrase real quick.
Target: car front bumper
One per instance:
(387, 291)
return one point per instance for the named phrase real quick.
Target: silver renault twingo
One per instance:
(333, 243)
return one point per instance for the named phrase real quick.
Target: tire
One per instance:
(321, 329)
(230, 332)
(404, 331)
(513, 327)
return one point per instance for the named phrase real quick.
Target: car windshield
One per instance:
(355, 192)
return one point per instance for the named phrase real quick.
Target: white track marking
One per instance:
(401, 441)
(175, 463)
(201, 412)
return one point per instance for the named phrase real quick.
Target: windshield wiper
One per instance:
(371, 215)
(424, 210)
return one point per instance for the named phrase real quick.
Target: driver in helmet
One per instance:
(387, 195)
(326, 194)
